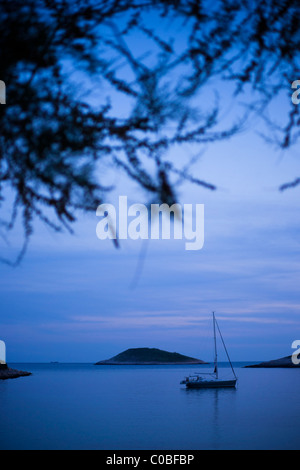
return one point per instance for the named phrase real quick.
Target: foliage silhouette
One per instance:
(56, 141)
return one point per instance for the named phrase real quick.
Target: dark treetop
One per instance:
(56, 144)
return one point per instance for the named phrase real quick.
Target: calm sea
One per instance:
(81, 406)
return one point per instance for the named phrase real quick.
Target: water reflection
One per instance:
(215, 408)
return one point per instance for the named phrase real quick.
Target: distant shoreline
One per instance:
(108, 363)
(283, 363)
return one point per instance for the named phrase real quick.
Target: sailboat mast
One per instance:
(216, 352)
(226, 349)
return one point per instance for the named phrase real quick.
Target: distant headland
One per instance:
(149, 356)
(284, 363)
(7, 373)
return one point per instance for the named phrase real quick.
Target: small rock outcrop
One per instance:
(8, 373)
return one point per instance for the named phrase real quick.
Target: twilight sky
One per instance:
(78, 299)
(73, 298)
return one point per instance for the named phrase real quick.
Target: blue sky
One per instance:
(72, 299)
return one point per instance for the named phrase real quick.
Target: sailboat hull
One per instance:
(211, 384)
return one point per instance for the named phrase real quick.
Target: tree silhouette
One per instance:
(55, 139)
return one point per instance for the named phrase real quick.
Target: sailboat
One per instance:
(213, 381)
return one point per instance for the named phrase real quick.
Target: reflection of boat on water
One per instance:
(197, 381)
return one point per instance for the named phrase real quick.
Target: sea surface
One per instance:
(82, 406)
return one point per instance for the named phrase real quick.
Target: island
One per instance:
(283, 363)
(149, 356)
(8, 373)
